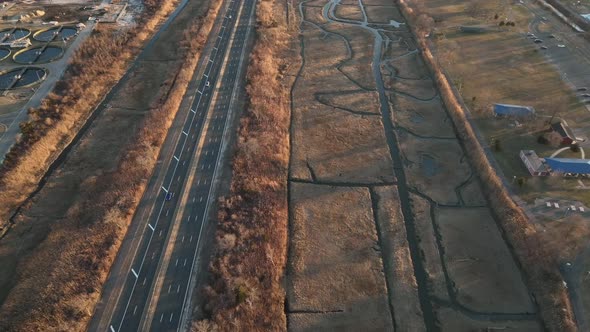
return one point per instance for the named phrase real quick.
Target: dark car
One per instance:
(538, 41)
(169, 196)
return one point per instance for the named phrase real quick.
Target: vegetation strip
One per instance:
(88, 240)
(245, 290)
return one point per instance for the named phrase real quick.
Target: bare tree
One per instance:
(424, 23)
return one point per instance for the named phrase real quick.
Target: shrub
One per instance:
(542, 140)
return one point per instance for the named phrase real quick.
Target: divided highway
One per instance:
(152, 280)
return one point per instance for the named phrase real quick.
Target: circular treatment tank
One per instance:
(4, 53)
(20, 77)
(55, 34)
(10, 35)
(38, 54)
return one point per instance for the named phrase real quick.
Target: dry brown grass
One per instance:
(538, 264)
(245, 291)
(94, 69)
(59, 282)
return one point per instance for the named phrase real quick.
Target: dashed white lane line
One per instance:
(178, 289)
(161, 317)
(171, 315)
(134, 310)
(112, 328)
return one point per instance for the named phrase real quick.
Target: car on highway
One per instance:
(538, 41)
(169, 196)
(551, 36)
(582, 88)
(560, 45)
(207, 84)
(587, 95)
(543, 47)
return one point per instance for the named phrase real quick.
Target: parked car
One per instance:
(538, 41)
(582, 88)
(543, 47)
(560, 45)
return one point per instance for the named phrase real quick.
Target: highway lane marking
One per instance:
(169, 288)
(249, 21)
(201, 199)
(178, 289)
(184, 132)
(151, 227)
(161, 317)
(171, 314)
(167, 212)
(182, 239)
(191, 239)
(144, 281)
(176, 264)
(160, 235)
(134, 273)
(184, 262)
(157, 219)
(112, 329)
(134, 310)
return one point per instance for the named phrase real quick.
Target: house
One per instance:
(565, 133)
(533, 163)
(513, 110)
(569, 166)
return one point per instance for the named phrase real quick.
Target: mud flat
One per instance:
(435, 167)
(397, 260)
(380, 191)
(478, 262)
(335, 224)
(422, 118)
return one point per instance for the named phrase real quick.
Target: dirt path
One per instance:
(377, 160)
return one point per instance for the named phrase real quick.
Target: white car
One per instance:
(560, 45)
(207, 84)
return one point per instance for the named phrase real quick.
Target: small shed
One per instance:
(569, 166)
(533, 163)
(564, 132)
(513, 110)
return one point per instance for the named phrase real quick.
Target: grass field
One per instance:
(513, 71)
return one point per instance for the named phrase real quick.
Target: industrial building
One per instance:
(533, 163)
(569, 166)
(506, 110)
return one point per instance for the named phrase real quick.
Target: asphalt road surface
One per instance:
(154, 293)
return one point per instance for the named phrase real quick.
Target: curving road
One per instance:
(151, 282)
